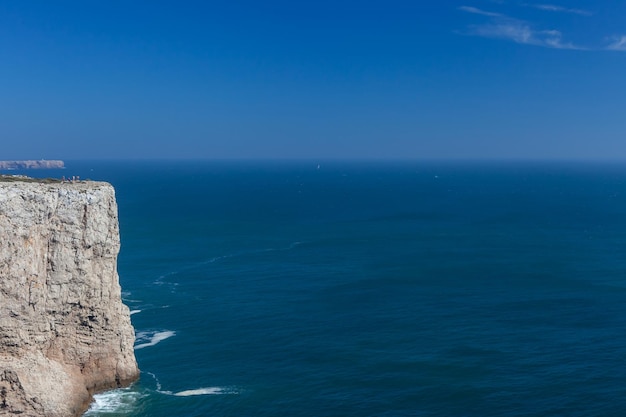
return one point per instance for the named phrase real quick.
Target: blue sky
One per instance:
(481, 79)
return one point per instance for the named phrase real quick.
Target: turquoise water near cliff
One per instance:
(372, 289)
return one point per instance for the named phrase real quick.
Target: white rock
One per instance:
(64, 331)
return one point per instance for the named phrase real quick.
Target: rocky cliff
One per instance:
(64, 331)
(35, 164)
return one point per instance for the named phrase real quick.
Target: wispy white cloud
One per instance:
(475, 10)
(522, 33)
(560, 9)
(618, 43)
(501, 26)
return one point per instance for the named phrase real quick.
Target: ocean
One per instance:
(369, 289)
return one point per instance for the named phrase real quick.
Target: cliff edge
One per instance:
(64, 331)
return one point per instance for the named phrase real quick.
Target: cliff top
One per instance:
(65, 181)
(23, 178)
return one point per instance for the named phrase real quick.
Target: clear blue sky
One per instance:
(95, 79)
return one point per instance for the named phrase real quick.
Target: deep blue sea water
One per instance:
(372, 289)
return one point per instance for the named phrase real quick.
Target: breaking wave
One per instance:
(116, 402)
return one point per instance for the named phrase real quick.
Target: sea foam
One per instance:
(203, 391)
(192, 392)
(200, 391)
(152, 338)
(119, 401)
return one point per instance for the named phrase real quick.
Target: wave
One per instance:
(134, 312)
(152, 338)
(119, 401)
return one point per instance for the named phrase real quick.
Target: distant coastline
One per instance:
(40, 164)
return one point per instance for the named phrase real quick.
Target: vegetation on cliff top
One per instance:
(23, 178)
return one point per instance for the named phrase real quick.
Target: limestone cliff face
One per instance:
(64, 331)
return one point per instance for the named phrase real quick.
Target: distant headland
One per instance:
(41, 164)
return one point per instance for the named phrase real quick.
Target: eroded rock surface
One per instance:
(64, 331)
